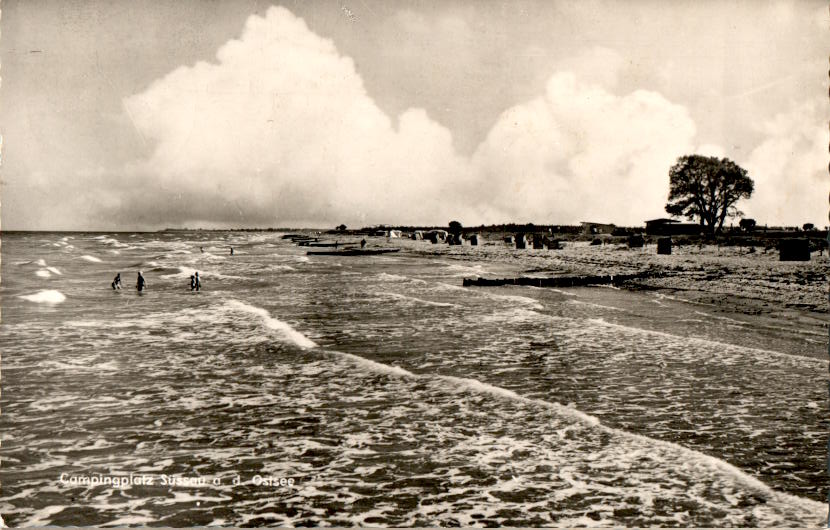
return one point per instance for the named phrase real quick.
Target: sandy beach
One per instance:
(729, 279)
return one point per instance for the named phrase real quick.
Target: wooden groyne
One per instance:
(559, 281)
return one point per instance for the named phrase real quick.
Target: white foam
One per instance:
(397, 296)
(43, 273)
(41, 262)
(42, 516)
(392, 277)
(560, 291)
(49, 296)
(476, 386)
(278, 325)
(486, 388)
(532, 302)
(467, 269)
(449, 287)
(690, 454)
(376, 366)
(591, 304)
(708, 343)
(719, 317)
(93, 259)
(185, 272)
(54, 270)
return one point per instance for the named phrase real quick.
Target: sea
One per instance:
(307, 390)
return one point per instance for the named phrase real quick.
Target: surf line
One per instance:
(705, 342)
(474, 385)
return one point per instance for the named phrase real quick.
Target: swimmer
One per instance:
(116, 283)
(231, 251)
(198, 283)
(140, 283)
(202, 249)
(362, 243)
(192, 283)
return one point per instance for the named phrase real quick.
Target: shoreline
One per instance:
(728, 279)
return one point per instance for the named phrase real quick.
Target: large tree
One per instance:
(707, 188)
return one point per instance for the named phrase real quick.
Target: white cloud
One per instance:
(790, 167)
(582, 153)
(711, 150)
(280, 130)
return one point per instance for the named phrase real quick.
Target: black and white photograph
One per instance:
(414, 263)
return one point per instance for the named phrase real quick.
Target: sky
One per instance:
(146, 114)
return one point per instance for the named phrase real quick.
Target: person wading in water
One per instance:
(140, 283)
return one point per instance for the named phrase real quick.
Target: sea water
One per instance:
(326, 390)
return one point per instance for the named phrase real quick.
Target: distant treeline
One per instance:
(508, 227)
(516, 228)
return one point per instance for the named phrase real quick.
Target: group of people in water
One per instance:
(141, 283)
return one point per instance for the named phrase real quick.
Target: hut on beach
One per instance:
(436, 235)
(794, 250)
(636, 241)
(590, 228)
(455, 239)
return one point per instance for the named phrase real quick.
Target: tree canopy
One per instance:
(455, 227)
(747, 224)
(707, 188)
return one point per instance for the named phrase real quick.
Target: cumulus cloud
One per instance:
(790, 167)
(582, 153)
(280, 130)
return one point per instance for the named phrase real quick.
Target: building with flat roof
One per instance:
(590, 228)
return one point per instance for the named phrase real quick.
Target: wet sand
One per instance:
(730, 280)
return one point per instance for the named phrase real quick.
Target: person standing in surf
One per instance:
(116, 283)
(195, 283)
(231, 251)
(192, 283)
(140, 283)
